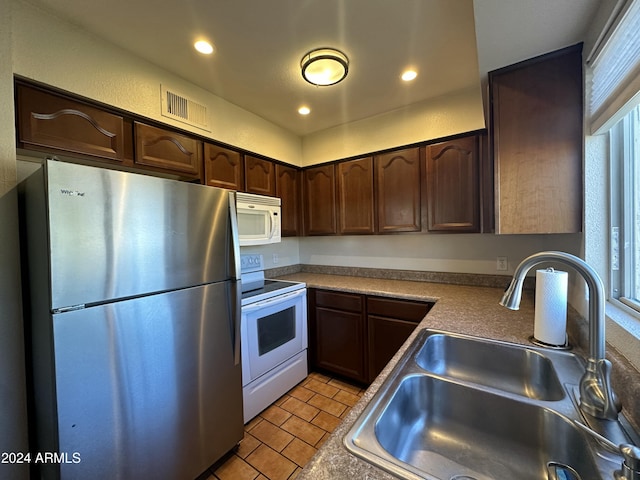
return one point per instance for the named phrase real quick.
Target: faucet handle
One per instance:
(630, 469)
(611, 403)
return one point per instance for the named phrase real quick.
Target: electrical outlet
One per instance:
(502, 264)
(275, 258)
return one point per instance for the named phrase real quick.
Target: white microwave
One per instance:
(258, 219)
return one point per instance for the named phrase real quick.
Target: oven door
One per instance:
(273, 331)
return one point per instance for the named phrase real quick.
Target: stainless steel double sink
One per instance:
(458, 407)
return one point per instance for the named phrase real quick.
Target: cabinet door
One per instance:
(320, 201)
(288, 190)
(223, 167)
(398, 191)
(337, 333)
(355, 196)
(536, 118)
(385, 337)
(259, 176)
(453, 193)
(167, 150)
(390, 321)
(46, 121)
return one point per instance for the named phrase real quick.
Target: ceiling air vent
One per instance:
(183, 109)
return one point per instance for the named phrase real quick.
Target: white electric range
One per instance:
(273, 336)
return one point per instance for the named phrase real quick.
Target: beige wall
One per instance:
(440, 117)
(59, 54)
(13, 419)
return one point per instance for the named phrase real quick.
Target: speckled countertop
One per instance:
(471, 310)
(461, 309)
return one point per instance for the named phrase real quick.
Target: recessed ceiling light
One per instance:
(304, 110)
(203, 47)
(409, 75)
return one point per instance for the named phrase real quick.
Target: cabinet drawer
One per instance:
(409, 310)
(350, 302)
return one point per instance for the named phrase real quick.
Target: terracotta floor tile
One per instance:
(301, 393)
(252, 423)
(345, 386)
(326, 421)
(236, 469)
(303, 430)
(327, 404)
(247, 445)
(301, 409)
(272, 465)
(321, 377)
(347, 398)
(273, 436)
(275, 415)
(323, 388)
(322, 440)
(279, 401)
(299, 452)
(281, 440)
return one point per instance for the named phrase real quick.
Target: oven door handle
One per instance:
(273, 300)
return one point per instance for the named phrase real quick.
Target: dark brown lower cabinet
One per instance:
(356, 335)
(337, 333)
(390, 321)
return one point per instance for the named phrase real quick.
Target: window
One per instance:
(625, 209)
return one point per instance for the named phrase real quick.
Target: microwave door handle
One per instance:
(272, 226)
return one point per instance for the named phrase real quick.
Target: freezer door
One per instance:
(116, 235)
(148, 387)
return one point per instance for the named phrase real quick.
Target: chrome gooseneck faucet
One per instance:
(596, 395)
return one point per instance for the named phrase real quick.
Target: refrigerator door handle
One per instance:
(236, 316)
(234, 259)
(236, 290)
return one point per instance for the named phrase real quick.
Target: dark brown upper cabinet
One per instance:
(49, 121)
(355, 197)
(453, 186)
(223, 167)
(537, 138)
(398, 191)
(167, 150)
(319, 200)
(288, 190)
(259, 176)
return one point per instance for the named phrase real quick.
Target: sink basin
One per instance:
(510, 368)
(457, 407)
(445, 429)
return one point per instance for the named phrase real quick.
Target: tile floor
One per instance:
(281, 440)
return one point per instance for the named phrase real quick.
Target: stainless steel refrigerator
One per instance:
(132, 315)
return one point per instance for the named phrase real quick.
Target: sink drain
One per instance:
(462, 477)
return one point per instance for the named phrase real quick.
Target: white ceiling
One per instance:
(259, 44)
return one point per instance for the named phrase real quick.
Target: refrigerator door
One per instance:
(148, 387)
(117, 235)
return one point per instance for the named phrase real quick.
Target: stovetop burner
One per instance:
(255, 287)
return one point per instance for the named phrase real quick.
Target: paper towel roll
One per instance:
(551, 307)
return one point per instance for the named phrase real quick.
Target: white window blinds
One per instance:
(614, 70)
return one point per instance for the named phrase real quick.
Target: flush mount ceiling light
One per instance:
(324, 66)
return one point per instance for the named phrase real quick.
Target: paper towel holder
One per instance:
(539, 343)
